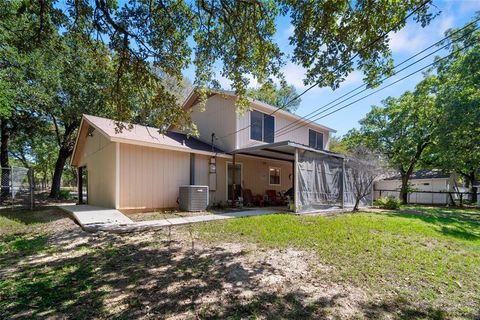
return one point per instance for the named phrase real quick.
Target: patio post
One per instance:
(343, 183)
(80, 185)
(295, 188)
(233, 180)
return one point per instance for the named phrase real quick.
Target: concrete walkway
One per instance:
(95, 219)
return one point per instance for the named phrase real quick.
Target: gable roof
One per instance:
(424, 174)
(141, 135)
(193, 99)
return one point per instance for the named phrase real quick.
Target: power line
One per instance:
(315, 112)
(389, 85)
(342, 66)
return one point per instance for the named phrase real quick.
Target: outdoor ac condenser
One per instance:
(193, 198)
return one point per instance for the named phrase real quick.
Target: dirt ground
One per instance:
(171, 274)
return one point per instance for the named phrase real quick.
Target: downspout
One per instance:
(192, 168)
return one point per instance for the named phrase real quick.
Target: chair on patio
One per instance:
(251, 200)
(274, 198)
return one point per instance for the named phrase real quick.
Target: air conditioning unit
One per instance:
(193, 198)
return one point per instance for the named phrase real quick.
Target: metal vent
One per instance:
(193, 198)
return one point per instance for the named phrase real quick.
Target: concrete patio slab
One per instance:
(94, 219)
(87, 215)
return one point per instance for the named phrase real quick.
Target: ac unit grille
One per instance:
(193, 198)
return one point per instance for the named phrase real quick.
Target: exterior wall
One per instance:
(150, 177)
(99, 156)
(299, 135)
(435, 185)
(202, 169)
(218, 118)
(256, 176)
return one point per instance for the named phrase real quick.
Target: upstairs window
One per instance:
(262, 126)
(315, 140)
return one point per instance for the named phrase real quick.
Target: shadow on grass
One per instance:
(456, 223)
(402, 309)
(109, 276)
(38, 215)
(23, 244)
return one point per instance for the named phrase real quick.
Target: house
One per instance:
(428, 187)
(137, 168)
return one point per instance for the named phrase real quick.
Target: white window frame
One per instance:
(279, 176)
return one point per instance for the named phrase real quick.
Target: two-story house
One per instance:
(138, 168)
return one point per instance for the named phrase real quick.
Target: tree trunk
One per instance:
(357, 202)
(4, 163)
(473, 187)
(63, 155)
(404, 188)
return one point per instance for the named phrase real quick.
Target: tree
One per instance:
(283, 97)
(329, 35)
(338, 145)
(85, 40)
(363, 167)
(401, 130)
(457, 135)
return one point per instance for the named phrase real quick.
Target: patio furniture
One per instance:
(274, 198)
(251, 200)
(248, 197)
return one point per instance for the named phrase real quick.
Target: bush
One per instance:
(64, 194)
(390, 203)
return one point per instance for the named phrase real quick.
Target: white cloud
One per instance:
(408, 40)
(445, 24)
(289, 31)
(356, 77)
(294, 74)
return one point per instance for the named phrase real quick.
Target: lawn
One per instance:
(428, 257)
(417, 262)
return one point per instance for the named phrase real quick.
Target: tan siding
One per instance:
(299, 135)
(99, 156)
(256, 175)
(218, 118)
(202, 177)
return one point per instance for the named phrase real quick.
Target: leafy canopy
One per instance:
(283, 96)
(330, 37)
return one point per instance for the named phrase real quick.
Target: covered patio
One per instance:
(320, 178)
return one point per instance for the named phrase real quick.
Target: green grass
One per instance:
(426, 255)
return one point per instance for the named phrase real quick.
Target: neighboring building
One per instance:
(140, 169)
(428, 183)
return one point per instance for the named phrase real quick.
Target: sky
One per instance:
(405, 43)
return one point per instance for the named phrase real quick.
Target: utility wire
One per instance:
(315, 112)
(390, 84)
(340, 67)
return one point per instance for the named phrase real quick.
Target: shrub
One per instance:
(64, 194)
(390, 203)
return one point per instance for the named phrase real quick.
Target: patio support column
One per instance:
(295, 188)
(233, 180)
(80, 185)
(343, 183)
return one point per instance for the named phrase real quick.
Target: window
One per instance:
(262, 126)
(274, 176)
(315, 139)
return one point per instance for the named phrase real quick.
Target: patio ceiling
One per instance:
(283, 150)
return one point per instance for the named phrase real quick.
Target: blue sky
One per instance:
(405, 43)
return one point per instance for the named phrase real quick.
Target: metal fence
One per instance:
(16, 189)
(429, 197)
